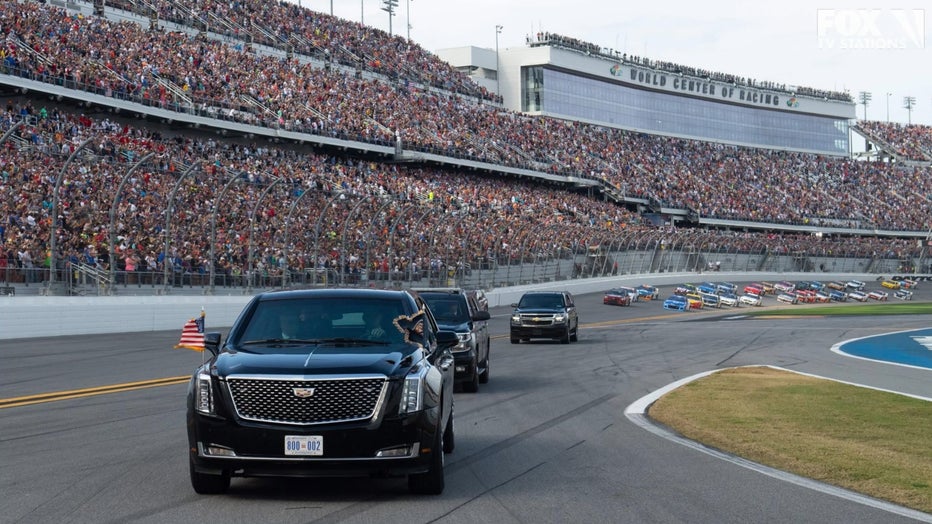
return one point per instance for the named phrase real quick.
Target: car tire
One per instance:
(207, 484)
(430, 482)
(574, 336)
(565, 339)
(472, 385)
(515, 340)
(449, 435)
(486, 366)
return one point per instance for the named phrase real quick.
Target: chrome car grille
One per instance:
(536, 320)
(300, 401)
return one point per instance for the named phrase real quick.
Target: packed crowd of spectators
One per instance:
(270, 209)
(292, 28)
(361, 214)
(910, 141)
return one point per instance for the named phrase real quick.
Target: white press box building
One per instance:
(561, 77)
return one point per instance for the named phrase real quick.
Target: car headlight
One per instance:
(412, 391)
(465, 341)
(204, 395)
(559, 319)
(515, 318)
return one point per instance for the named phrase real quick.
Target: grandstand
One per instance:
(165, 144)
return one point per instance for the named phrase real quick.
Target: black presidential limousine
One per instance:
(324, 382)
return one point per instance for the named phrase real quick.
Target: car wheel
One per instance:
(431, 481)
(574, 336)
(473, 384)
(449, 436)
(515, 340)
(486, 366)
(565, 339)
(207, 484)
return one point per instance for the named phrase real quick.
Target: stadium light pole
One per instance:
(865, 97)
(408, 14)
(390, 7)
(909, 102)
(888, 106)
(498, 85)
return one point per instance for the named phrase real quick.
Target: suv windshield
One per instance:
(317, 321)
(447, 309)
(541, 301)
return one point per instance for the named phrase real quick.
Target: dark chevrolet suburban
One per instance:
(545, 314)
(460, 311)
(324, 382)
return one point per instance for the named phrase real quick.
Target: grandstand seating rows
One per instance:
(409, 212)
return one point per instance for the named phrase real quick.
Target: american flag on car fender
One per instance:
(192, 335)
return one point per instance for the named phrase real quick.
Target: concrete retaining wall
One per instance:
(39, 316)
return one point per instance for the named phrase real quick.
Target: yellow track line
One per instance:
(89, 392)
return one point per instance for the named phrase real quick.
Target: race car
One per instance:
(907, 283)
(903, 294)
(858, 295)
(647, 292)
(616, 297)
(836, 285)
(754, 289)
(750, 299)
(855, 284)
(726, 287)
(838, 296)
(785, 286)
(788, 298)
(676, 303)
(728, 299)
(695, 300)
(806, 296)
(890, 284)
(710, 300)
(880, 296)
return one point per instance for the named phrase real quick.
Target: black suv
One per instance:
(461, 311)
(324, 382)
(545, 314)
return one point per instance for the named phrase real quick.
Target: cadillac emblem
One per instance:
(303, 392)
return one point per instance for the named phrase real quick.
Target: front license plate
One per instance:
(304, 445)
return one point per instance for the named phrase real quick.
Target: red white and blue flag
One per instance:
(192, 335)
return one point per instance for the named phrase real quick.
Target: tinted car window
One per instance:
(447, 308)
(541, 301)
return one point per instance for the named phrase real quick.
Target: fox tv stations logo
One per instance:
(871, 28)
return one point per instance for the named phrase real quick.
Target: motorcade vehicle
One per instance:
(460, 311)
(616, 297)
(315, 383)
(545, 314)
(676, 303)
